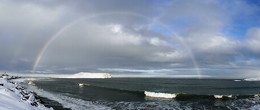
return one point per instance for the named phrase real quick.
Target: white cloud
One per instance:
(157, 42)
(253, 41)
(116, 28)
(170, 56)
(213, 44)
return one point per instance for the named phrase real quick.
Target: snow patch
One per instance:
(11, 95)
(89, 75)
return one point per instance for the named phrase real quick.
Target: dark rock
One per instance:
(4, 75)
(34, 104)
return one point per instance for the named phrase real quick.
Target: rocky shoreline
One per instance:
(28, 96)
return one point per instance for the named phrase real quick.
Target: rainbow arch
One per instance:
(75, 21)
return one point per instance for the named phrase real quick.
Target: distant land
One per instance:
(89, 75)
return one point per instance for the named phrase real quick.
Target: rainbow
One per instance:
(73, 22)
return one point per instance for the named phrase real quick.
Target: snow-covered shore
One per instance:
(15, 97)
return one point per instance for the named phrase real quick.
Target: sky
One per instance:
(138, 38)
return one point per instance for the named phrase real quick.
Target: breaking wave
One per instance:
(252, 79)
(222, 96)
(159, 95)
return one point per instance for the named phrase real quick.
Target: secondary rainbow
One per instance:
(73, 22)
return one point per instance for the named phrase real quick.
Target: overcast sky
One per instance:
(151, 38)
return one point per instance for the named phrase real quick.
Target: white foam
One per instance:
(237, 80)
(83, 84)
(159, 95)
(229, 96)
(69, 102)
(218, 96)
(256, 95)
(221, 96)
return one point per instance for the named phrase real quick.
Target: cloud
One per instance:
(24, 27)
(253, 41)
(108, 46)
(135, 37)
(213, 44)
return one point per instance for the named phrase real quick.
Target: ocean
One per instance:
(149, 93)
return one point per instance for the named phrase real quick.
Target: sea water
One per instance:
(150, 93)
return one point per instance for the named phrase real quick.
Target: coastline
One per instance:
(15, 97)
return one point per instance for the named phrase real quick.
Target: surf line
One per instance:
(78, 20)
